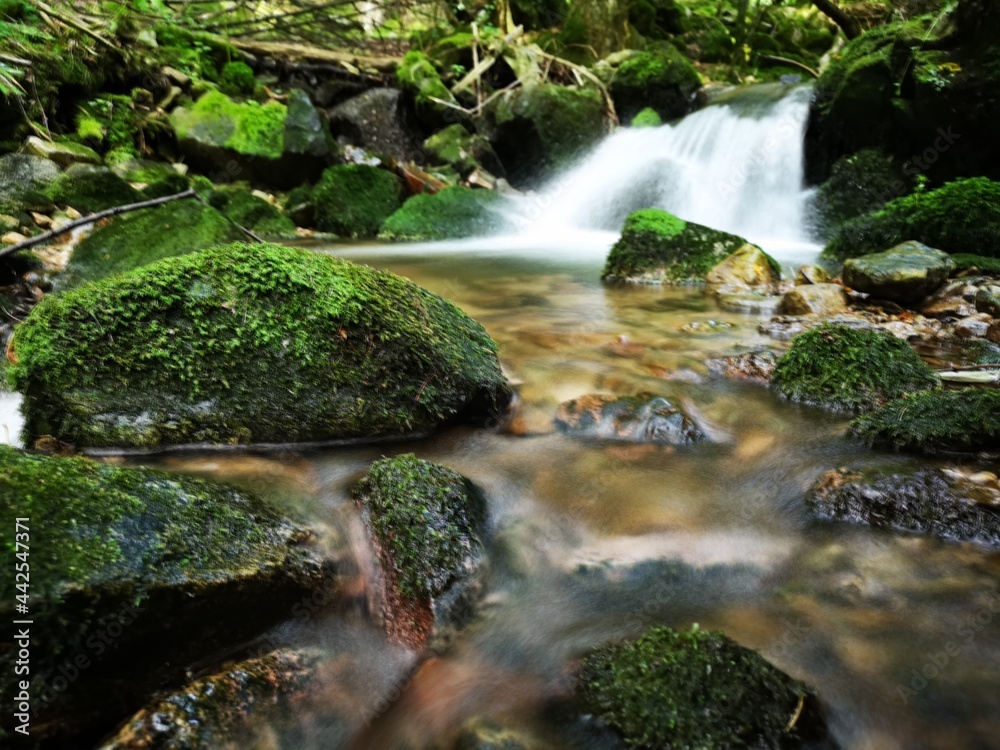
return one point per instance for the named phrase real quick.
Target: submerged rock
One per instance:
(251, 343)
(89, 189)
(849, 369)
(966, 420)
(453, 213)
(142, 574)
(354, 200)
(697, 688)
(754, 367)
(484, 734)
(657, 247)
(426, 521)
(923, 500)
(905, 273)
(636, 419)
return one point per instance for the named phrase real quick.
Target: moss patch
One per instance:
(237, 203)
(661, 79)
(450, 214)
(695, 689)
(989, 266)
(353, 200)
(942, 421)
(236, 78)
(251, 343)
(417, 76)
(647, 118)
(88, 188)
(249, 128)
(425, 518)
(960, 217)
(860, 184)
(848, 369)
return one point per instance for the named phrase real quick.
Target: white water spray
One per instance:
(736, 165)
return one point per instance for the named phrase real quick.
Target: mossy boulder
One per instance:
(421, 82)
(23, 180)
(251, 344)
(961, 421)
(141, 574)
(636, 419)
(540, 128)
(63, 153)
(452, 213)
(464, 151)
(88, 188)
(252, 212)
(142, 237)
(425, 521)
(904, 274)
(354, 200)
(859, 184)
(673, 688)
(960, 217)
(660, 79)
(901, 497)
(849, 369)
(657, 247)
(236, 78)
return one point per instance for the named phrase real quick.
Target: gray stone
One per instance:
(23, 177)
(904, 273)
(62, 153)
(377, 121)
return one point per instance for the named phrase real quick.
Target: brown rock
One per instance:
(812, 275)
(814, 299)
(755, 367)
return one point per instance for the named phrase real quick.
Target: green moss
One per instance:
(449, 214)
(236, 78)
(425, 519)
(417, 76)
(658, 247)
(960, 217)
(248, 128)
(88, 188)
(196, 53)
(250, 343)
(145, 236)
(238, 204)
(695, 689)
(465, 151)
(647, 118)
(936, 422)
(660, 78)
(990, 266)
(353, 200)
(849, 369)
(112, 123)
(170, 183)
(859, 184)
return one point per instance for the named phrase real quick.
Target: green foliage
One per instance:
(452, 213)
(250, 343)
(936, 422)
(110, 121)
(89, 188)
(417, 76)
(849, 369)
(425, 518)
(986, 265)
(236, 78)
(196, 53)
(238, 204)
(694, 689)
(859, 184)
(249, 128)
(353, 200)
(960, 217)
(647, 118)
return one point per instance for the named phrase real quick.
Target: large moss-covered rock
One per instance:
(457, 147)
(145, 236)
(23, 180)
(354, 200)
(63, 153)
(657, 247)
(89, 188)
(136, 575)
(923, 500)
(637, 419)
(860, 184)
(249, 211)
(696, 689)
(251, 343)
(452, 213)
(538, 129)
(661, 79)
(905, 273)
(849, 369)
(960, 217)
(425, 520)
(936, 422)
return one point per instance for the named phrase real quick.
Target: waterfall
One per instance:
(735, 165)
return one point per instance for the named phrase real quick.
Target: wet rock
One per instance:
(660, 78)
(973, 327)
(953, 300)
(923, 500)
(148, 572)
(749, 268)
(354, 200)
(673, 688)
(754, 367)
(988, 301)
(377, 121)
(88, 188)
(634, 419)
(657, 247)
(306, 132)
(822, 300)
(426, 523)
(23, 180)
(811, 275)
(453, 213)
(849, 369)
(750, 302)
(966, 420)
(247, 344)
(465, 152)
(63, 153)
(903, 274)
(223, 708)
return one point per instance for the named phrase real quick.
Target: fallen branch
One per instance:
(45, 236)
(74, 23)
(296, 52)
(793, 63)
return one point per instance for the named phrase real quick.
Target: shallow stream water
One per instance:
(583, 533)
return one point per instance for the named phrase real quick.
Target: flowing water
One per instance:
(585, 535)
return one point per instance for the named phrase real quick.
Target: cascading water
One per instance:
(735, 165)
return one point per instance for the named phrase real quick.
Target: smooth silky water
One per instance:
(583, 533)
